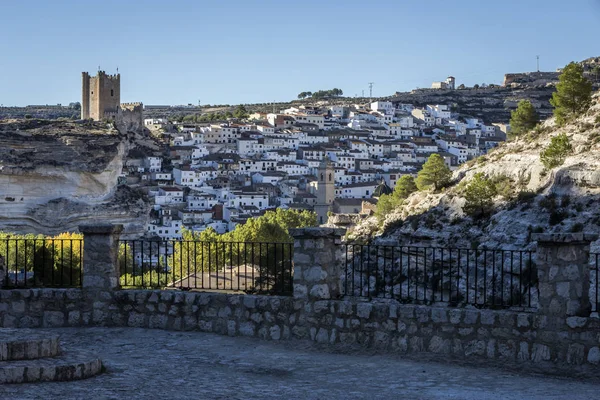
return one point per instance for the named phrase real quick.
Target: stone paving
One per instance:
(156, 364)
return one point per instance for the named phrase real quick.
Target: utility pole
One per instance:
(538, 63)
(371, 89)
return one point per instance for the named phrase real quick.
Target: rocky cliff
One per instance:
(531, 199)
(490, 104)
(55, 175)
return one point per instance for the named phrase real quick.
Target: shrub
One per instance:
(525, 196)
(557, 151)
(577, 227)
(479, 195)
(557, 216)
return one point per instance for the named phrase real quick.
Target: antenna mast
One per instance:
(371, 89)
(538, 63)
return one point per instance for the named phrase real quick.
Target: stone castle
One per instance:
(101, 99)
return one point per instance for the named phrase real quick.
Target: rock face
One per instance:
(532, 200)
(490, 104)
(54, 175)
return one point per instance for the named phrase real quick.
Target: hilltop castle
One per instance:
(101, 99)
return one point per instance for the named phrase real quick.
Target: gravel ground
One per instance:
(155, 364)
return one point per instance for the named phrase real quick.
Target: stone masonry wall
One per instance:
(552, 340)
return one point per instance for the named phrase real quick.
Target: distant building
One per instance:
(449, 83)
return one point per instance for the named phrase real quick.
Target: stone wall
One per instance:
(555, 339)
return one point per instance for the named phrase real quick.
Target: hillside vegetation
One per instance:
(527, 197)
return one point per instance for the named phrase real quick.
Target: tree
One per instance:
(302, 95)
(479, 195)
(405, 186)
(461, 86)
(476, 86)
(557, 151)
(385, 205)
(573, 93)
(524, 118)
(435, 173)
(240, 112)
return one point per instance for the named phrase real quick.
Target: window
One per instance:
(112, 92)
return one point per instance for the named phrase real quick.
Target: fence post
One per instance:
(564, 273)
(317, 263)
(100, 256)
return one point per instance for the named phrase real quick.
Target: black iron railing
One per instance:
(595, 282)
(42, 262)
(231, 266)
(426, 275)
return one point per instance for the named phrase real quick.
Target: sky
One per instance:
(246, 51)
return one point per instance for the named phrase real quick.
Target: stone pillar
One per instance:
(564, 273)
(100, 256)
(317, 263)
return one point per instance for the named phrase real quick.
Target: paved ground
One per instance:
(154, 364)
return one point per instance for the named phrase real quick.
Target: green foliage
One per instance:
(523, 119)
(404, 187)
(385, 205)
(240, 112)
(557, 151)
(54, 261)
(573, 93)
(435, 173)
(322, 94)
(504, 186)
(208, 251)
(479, 195)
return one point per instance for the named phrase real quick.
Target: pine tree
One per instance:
(523, 119)
(404, 187)
(557, 151)
(435, 173)
(573, 93)
(479, 195)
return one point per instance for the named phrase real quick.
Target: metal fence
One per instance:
(426, 275)
(264, 268)
(42, 262)
(595, 282)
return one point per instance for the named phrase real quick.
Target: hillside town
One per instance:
(333, 159)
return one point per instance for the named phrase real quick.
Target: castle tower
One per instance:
(325, 190)
(450, 82)
(100, 96)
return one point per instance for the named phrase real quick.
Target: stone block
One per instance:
(487, 317)
(563, 290)
(439, 315)
(470, 317)
(523, 320)
(407, 311)
(74, 318)
(439, 345)
(53, 319)
(507, 350)
(319, 292)
(594, 356)
(320, 306)
(300, 290)
(136, 320)
(475, 347)
(455, 316)
(315, 274)
(363, 310)
(540, 352)
(157, 321)
(275, 332)
(576, 354)
(576, 322)
(247, 329)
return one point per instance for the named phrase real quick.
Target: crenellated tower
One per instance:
(100, 96)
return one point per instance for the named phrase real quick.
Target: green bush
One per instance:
(526, 196)
(557, 151)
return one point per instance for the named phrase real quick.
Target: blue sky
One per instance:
(244, 51)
